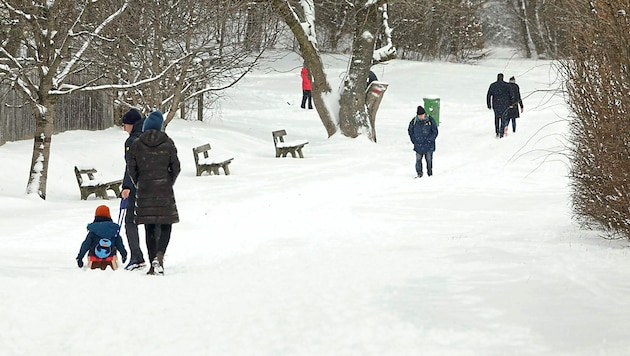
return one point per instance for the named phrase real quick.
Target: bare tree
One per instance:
(370, 18)
(192, 48)
(48, 42)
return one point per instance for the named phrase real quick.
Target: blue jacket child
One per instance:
(423, 131)
(102, 242)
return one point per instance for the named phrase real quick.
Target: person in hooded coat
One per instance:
(102, 242)
(153, 167)
(132, 123)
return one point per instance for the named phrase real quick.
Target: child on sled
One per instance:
(102, 242)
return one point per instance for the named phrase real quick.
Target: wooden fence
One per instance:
(77, 111)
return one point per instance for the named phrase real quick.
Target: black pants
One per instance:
(131, 230)
(306, 95)
(158, 237)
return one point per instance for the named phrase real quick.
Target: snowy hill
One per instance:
(340, 253)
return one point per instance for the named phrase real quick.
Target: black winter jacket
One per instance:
(153, 166)
(499, 96)
(136, 131)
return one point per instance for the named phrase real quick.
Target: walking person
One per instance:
(153, 167)
(423, 131)
(498, 98)
(306, 88)
(513, 109)
(132, 123)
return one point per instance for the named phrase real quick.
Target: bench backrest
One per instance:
(201, 149)
(278, 135)
(80, 172)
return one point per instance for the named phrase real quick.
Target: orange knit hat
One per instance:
(102, 210)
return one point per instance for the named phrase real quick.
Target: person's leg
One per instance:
(165, 237)
(131, 230)
(429, 158)
(504, 126)
(151, 239)
(304, 98)
(310, 99)
(497, 122)
(514, 124)
(419, 164)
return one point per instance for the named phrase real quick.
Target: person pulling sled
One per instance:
(102, 242)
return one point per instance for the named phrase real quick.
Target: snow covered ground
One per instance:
(340, 253)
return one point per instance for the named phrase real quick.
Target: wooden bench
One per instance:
(210, 164)
(92, 183)
(283, 148)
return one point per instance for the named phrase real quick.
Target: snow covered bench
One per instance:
(283, 148)
(93, 183)
(210, 164)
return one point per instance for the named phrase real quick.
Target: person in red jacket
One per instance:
(306, 88)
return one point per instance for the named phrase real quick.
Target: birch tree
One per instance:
(40, 58)
(344, 110)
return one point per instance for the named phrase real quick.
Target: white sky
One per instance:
(339, 253)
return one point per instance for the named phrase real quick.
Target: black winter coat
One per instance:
(153, 166)
(499, 96)
(136, 131)
(513, 110)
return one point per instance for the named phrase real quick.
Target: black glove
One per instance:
(80, 262)
(124, 258)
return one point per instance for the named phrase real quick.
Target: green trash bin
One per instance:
(432, 107)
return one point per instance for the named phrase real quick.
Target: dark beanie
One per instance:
(153, 122)
(131, 117)
(500, 76)
(420, 110)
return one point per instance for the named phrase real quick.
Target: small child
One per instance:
(102, 242)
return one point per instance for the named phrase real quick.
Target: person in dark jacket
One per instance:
(513, 109)
(499, 98)
(102, 242)
(371, 77)
(153, 167)
(132, 123)
(306, 88)
(423, 131)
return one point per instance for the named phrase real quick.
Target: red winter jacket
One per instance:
(306, 80)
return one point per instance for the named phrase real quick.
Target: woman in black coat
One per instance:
(153, 166)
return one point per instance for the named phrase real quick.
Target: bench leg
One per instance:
(226, 169)
(116, 190)
(215, 170)
(299, 151)
(102, 192)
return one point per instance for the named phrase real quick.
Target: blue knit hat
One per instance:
(153, 122)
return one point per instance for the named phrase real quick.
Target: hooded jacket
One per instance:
(102, 228)
(423, 134)
(153, 167)
(306, 79)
